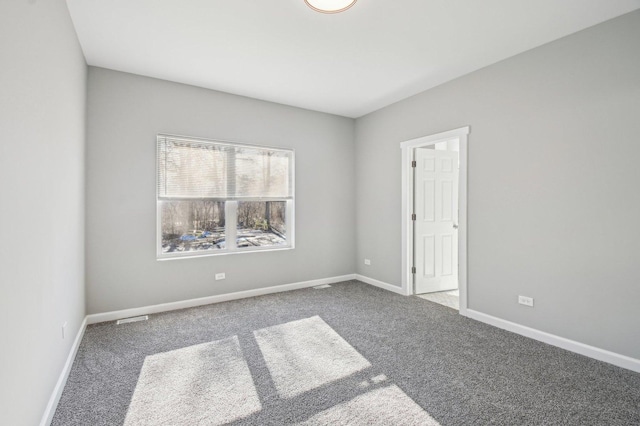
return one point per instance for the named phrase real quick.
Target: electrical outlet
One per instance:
(220, 276)
(367, 262)
(64, 330)
(524, 300)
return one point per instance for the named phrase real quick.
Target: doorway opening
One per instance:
(434, 218)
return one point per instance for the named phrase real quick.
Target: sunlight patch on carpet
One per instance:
(208, 384)
(306, 354)
(384, 406)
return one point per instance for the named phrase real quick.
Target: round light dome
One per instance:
(330, 6)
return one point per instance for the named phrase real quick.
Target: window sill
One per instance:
(224, 253)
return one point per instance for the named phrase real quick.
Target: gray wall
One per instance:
(42, 117)
(125, 112)
(553, 184)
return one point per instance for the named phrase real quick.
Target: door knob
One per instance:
(455, 226)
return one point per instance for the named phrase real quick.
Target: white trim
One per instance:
(619, 360)
(407, 239)
(231, 225)
(47, 417)
(225, 253)
(381, 284)
(438, 137)
(463, 279)
(408, 148)
(172, 306)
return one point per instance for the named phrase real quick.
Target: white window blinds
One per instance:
(199, 169)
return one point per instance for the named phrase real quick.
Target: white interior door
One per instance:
(436, 221)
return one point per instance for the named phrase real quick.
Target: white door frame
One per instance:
(408, 148)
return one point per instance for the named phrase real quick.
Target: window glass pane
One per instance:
(261, 223)
(189, 226)
(199, 169)
(192, 170)
(261, 173)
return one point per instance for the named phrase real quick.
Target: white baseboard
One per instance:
(381, 284)
(570, 345)
(561, 342)
(172, 306)
(47, 417)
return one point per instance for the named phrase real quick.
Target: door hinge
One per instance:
(414, 164)
(413, 216)
(413, 269)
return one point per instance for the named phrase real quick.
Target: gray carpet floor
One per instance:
(456, 370)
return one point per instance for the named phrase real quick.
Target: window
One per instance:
(219, 197)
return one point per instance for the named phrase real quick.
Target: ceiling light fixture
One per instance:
(330, 6)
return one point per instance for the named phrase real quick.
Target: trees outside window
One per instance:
(218, 197)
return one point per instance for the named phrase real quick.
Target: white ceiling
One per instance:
(352, 63)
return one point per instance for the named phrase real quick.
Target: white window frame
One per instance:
(231, 209)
